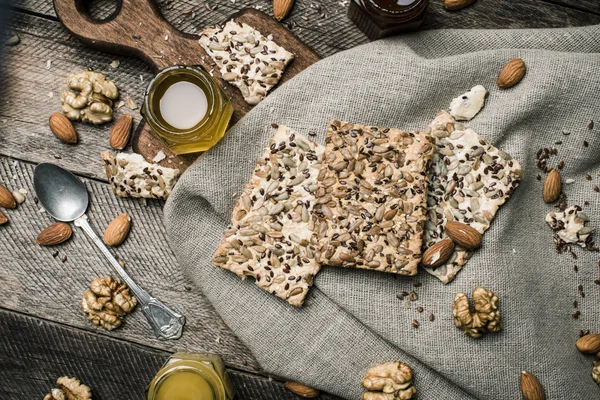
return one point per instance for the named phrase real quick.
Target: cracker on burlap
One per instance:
(269, 234)
(469, 180)
(370, 204)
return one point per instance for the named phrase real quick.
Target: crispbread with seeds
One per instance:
(246, 59)
(469, 180)
(269, 234)
(370, 204)
(131, 176)
(569, 227)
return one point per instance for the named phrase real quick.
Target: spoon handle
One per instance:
(166, 323)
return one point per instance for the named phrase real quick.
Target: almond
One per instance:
(301, 390)
(589, 344)
(530, 387)
(552, 186)
(457, 4)
(6, 198)
(438, 253)
(116, 232)
(119, 135)
(281, 8)
(3, 218)
(54, 234)
(463, 235)
(511, 74)
(62, 128)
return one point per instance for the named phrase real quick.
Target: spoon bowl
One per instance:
(60, 193)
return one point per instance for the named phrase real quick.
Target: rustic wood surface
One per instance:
(138, 29)
(113, 368)
(43, 332)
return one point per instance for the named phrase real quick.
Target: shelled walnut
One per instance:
(89, 97)
(388, 381)
(69, 389)
(484, 318)
(596, 371)
(107, 302)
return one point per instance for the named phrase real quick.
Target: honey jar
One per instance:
(381, 18)
(186, 109)
(191, 376)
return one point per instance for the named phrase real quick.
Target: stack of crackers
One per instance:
(371, 198)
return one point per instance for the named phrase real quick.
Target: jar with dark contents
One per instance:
(381, 18)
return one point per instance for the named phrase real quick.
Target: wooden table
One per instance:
(43, 331)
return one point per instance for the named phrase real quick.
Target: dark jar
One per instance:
(381, 18)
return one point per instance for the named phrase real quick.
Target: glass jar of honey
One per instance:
(381, 18)
(186, 109)
(191, 376)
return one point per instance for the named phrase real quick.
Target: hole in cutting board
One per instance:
(102, 10)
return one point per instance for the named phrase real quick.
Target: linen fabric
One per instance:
(352, 319)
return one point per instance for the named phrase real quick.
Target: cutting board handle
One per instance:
(137, 28)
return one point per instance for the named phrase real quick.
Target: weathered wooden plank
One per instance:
(589, 6)
(35, 282)
(32, 80)
(36, 352)
(329, 35)
(508, 15)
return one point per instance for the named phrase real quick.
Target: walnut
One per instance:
(388, 381)
(596, 370)
(89, 97)
(485, 318)
(69, 389)
(107, 302)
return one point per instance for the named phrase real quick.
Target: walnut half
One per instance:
(69, 389)
(596, 370)
(388, 381)
(107, 302)
(485, 317)
(89, 97)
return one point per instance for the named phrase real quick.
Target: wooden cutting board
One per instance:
(138, 29)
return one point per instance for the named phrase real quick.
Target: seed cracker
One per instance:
(269, 234)
(246, 59)
(470, 180)
(131, 176)
(371, 199)
(569, 227)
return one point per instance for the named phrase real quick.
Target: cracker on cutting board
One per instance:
(270, 227)
(246, 59)
(131, 176)
(371, 198)
(469, 180)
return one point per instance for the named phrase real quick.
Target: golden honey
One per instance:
(186, 109)
(191, 376)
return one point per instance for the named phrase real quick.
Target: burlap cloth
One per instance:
(352, 319)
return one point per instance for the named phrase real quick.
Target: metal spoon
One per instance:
(65, 198)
